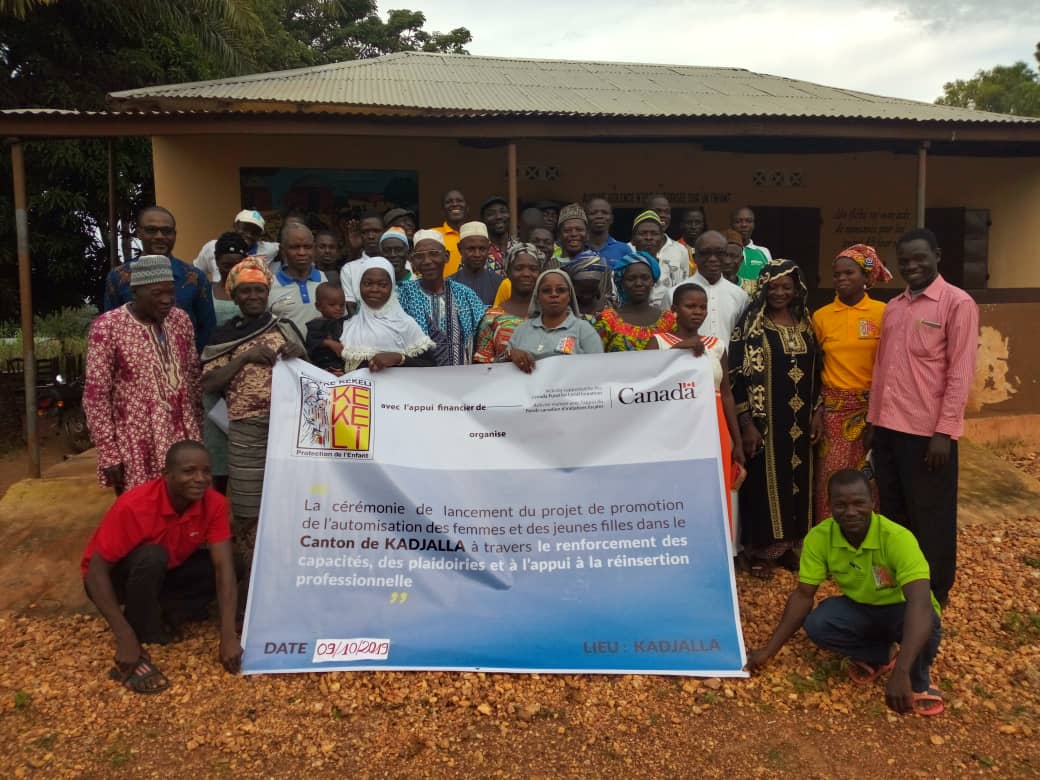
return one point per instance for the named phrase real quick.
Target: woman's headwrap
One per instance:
(534, 309)
(866, 257)
(395, 233)
(634, 258)
(589, 265)
(516, 249)
(252, 270)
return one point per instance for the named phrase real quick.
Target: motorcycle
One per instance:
(64, 400)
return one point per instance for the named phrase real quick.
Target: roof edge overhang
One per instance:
(37, 123)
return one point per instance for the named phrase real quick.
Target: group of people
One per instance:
(806, 400)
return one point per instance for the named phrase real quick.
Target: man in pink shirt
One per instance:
(922, 373)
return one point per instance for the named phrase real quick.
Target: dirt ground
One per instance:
(61, 717)
(14, 461)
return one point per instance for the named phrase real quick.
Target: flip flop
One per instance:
(761, 571)
(862, 673)
(140, 677)
(929, 703)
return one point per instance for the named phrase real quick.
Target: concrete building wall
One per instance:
(860, 196)
(868, 196)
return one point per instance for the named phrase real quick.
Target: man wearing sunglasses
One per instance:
(157, 232)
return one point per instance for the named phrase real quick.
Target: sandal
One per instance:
(929, 703)
(862, 673)
(142, 676)
(762, 571)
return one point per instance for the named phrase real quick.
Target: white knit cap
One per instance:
(471, 229)
(432, 235)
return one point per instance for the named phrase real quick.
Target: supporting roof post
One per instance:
(113, 233)
(21, 223)
(514, 214)
(922, 180)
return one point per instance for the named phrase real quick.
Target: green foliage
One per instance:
(71, 53)
(1013, 89)
(65, 324)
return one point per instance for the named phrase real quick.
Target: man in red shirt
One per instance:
(146, 555)
(923, 371)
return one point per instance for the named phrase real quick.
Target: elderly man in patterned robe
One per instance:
(142, 390)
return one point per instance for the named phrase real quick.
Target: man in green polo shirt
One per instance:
(884, 579)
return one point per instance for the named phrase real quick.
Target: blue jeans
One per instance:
(865, 632)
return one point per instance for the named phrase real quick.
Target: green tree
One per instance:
(71, 53)
(1005, 89)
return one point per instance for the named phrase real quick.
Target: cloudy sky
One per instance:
(902, 48)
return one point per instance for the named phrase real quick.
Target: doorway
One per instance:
(792, 232)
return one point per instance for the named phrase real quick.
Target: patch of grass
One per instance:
(655, 719)
(46, 742)
(611, 753)
(875, 709)
(118, 756)
(819, 678)
(1024, 628)
(978, 690)
(22, 699)
(945, 684)
(1034, 562)
(984, 760)
(337, 713)
(709, 697)
(776, 756)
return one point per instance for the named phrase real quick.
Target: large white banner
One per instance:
(478, 518)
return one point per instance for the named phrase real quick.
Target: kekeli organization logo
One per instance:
(680, 391)
(335, 419)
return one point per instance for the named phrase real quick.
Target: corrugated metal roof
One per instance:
(454, 85)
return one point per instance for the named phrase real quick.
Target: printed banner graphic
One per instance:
(477, 518)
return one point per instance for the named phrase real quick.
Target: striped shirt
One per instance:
(926, 361)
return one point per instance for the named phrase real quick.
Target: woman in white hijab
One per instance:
(381, 334)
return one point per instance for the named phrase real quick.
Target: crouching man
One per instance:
(146, 555)
(884, 578)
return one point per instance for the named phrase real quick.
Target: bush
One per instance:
(56, 335)
(65, 324)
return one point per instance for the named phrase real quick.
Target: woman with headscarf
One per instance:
(848, 332)
(523, 263)
(381, 334)
(238, 365)
(448, 312)
(553, 326)
(774, 367)
(632, 324)
(592, 283)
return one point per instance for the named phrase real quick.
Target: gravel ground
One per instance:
(61, 717)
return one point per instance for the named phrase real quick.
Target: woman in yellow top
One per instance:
(848, 332)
